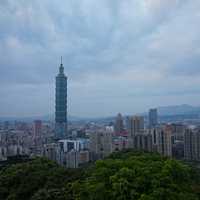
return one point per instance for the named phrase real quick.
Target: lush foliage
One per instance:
(22, 181)
(125, 175)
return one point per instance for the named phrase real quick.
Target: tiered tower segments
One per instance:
(61, 104)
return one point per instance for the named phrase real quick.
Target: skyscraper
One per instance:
(164, 137)
(192, 144)
(136, 125)
(37, 128)
(119, 125)
(153, 118)
(61, 104)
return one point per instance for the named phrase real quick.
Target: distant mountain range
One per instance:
(162, 111)
(179, 110)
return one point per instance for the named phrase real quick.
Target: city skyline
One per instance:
(116, 59)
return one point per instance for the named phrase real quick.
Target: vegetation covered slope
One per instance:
(125, 175)
(23, 181)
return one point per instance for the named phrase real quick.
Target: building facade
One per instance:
(136, 126)
(61, 105)
(164, 140)
(119, 125)
(143, 142)
(192, 144)
(37, 128)
(153, 118)
(101, 143)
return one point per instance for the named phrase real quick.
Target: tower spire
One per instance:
(61, 69)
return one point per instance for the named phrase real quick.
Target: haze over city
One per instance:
(122, 56)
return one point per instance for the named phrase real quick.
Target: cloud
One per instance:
(134, 49)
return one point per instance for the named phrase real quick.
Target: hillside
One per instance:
(179, 110)
(124, 175)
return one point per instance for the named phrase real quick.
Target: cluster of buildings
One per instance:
(20, 138)
(69, 153)
(173, 140)
(136, 132)
(73, 147)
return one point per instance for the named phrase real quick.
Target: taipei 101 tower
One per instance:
(61, 104)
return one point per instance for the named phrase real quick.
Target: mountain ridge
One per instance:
(172, 110)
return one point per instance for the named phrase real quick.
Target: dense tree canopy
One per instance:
(22, 181)
(122, 176)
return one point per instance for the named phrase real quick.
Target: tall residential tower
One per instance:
(119, 125)
(61, 104)
(153, 118)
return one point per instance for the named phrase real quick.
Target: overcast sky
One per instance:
(120, 55)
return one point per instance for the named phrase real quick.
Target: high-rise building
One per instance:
(178, 131)
(178, 149)
(53, 151)
(37, 128)
(101, 143)
(119, 125)
(143, 142)
(164, 140)
(153, 118)
(120, 143)
(61, 104)
(188, 144)
(69, 145)
(192, 144)
(136, 126)
(74, 158)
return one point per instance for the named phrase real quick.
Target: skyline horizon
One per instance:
(144, 112)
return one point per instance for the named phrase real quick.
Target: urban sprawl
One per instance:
(74, 144)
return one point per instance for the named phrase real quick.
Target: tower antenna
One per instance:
(61, 60)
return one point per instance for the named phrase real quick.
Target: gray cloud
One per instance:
(116, 53)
